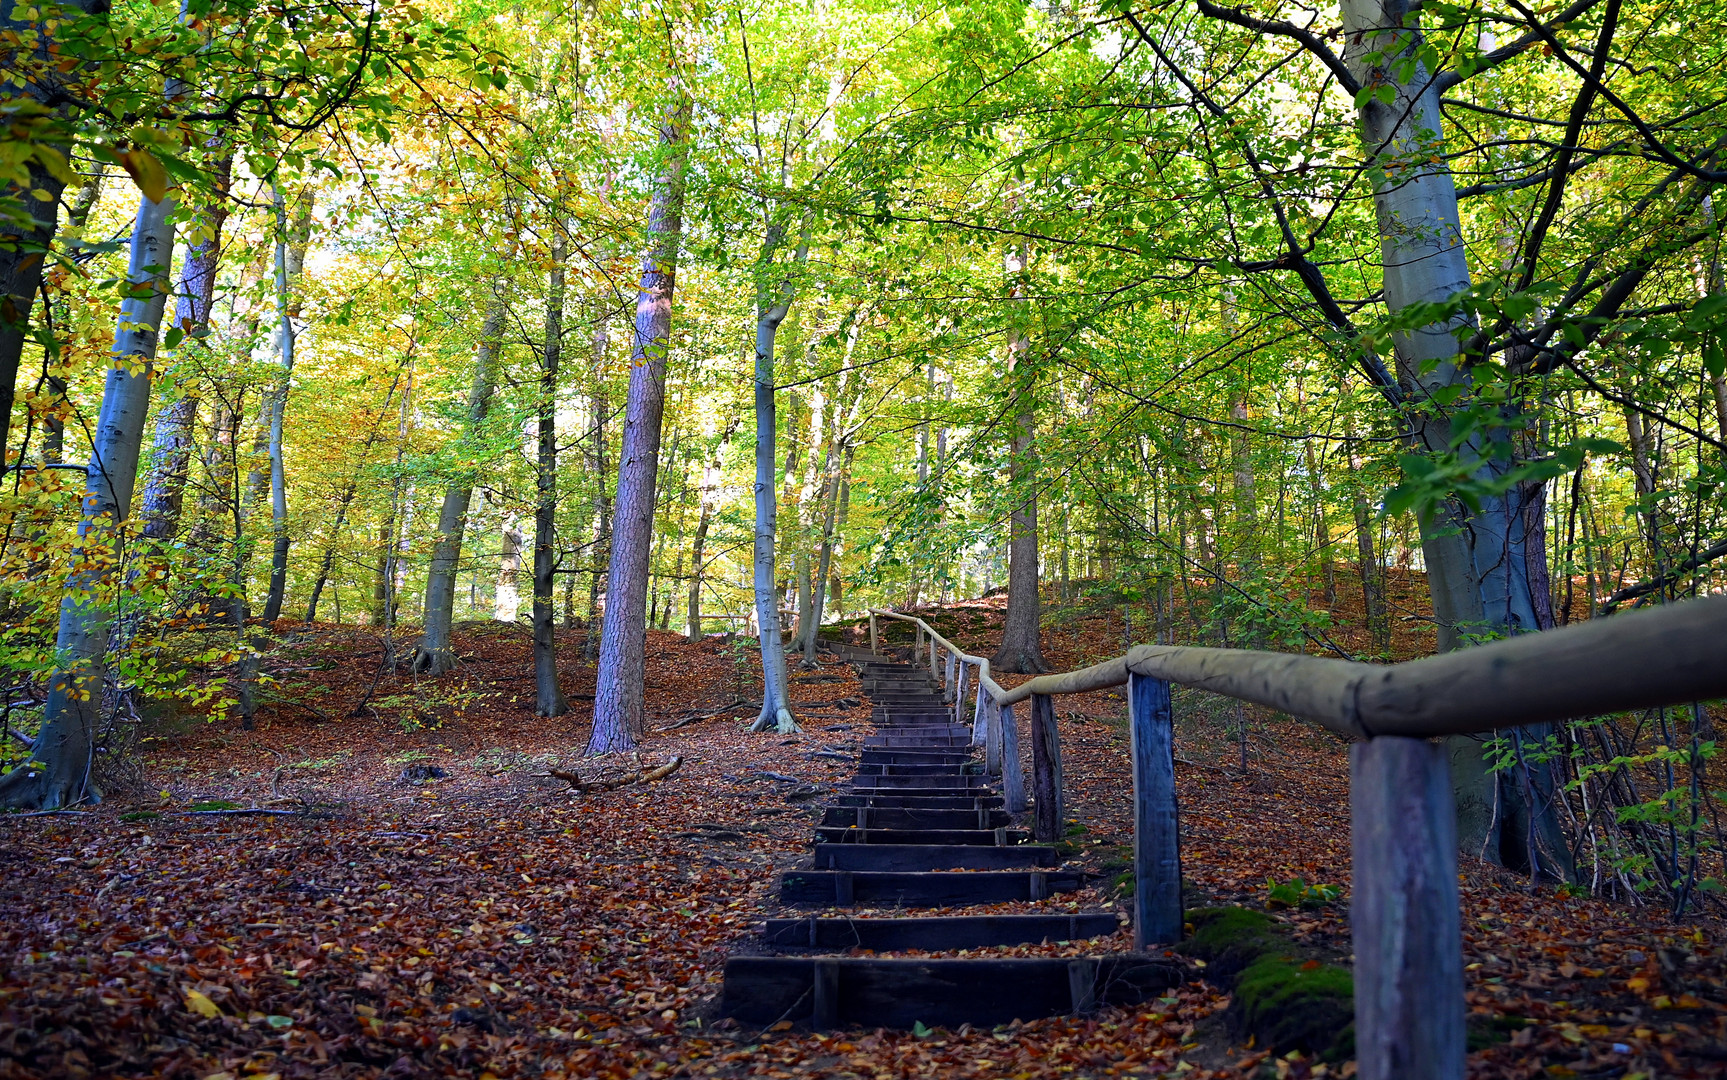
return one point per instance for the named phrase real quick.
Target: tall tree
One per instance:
(548, 697)
(619, 679)
(1021, 633)
(58, 771)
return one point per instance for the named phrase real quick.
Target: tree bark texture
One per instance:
(1478, 571)
(290, 260)
(1021, 642)
(434, 655)
(548, 696)
(619, 685)
(58, 770)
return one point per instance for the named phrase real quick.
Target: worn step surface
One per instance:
(912, 817)
(936, 932)
(940, 888)
(833, 992)
(834, 834)
(912, 858)
(915, 800)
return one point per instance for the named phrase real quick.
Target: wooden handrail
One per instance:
(996, 692)
(1642, 659)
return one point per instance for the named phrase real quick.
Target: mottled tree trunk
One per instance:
(1021, 640)
(598, 409)
(434, 655)
(548, 696)
(58, 770)
(291, 242)
(619, 681)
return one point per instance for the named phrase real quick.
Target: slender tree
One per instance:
(548, 697)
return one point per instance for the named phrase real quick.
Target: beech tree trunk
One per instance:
(434, 655)
(506, 593)
(709, 498)
(619, 680)
(772, 304)
(1478, 571)
(548, 696)
(163, 497)
(58, 770)
(1021, 642)
(598, 409)
(290, 261)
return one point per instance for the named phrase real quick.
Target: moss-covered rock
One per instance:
(1283, 997)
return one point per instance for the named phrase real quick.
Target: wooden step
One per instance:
(917, 755)
(902, 716)
(986, 837)
(910, 817)
(936, 932)
(950, 784)
(962, 767)
(927, 802)
(936, 888)
(834, 992)
(921, 734)
(918, 858)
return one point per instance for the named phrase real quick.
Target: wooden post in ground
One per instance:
(959, 698)
(1012, 773)
(1156, 836)
(1046, 769)
(1403, 910)
(874, 635)
(934, 667)
(948, 684)
(985, 732)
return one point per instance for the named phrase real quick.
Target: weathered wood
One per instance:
(959, 689)
(954, 756)
(845, 834)
(864, 817)
(874, 635)
(1046, 770)
(1082, 986)
(934, 664)
(898, 993)
(825, 996)
(917, 800)
(936, 932)
(866, 768)
(1156, 828)
(936, 889)
(1012, 772)
(1409, 1007)
(921, 858)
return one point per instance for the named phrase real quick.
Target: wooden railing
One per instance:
(1409, 1003)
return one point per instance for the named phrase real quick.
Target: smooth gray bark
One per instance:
(548, 696)
(772, 304)
(619, 686)
(58, 771)
(434, 655)
(290, 261)
(1478, 570)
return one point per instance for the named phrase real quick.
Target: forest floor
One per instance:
(485, 920)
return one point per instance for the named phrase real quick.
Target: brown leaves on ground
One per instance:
(489, 921)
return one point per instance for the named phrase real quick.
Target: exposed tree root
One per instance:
(639, 776)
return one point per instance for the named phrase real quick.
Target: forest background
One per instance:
(685, 315)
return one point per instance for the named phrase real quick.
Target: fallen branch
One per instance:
(737, 706)
(639, 776)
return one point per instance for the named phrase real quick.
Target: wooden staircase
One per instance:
(922, 828)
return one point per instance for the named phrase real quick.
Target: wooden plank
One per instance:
(920, 801)
(853, 835)
(912, 817)
(898, 993)
(874, 635)
(1082, 986)
(938, 932)
(935, 889)
(1046, 770)
(1156, 825)
(1409, 1007)
(915, 858)
(1012, 772)
(870, 768)
(959, 688)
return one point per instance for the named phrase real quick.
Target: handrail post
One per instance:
(1046, 768)
(959, 693)
(949, 681)
(934, 669)
(874, 635)
(1156, 830)
(1403, 912)
(1012, 774)
(985, 732)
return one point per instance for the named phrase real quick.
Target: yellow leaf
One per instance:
(146, 172)
(202, 1005)
(41, 194)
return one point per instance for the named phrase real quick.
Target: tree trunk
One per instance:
(709, 498)
(164, 491)
(772, 304)
(548, 696)
(1477, 565)
(824, 559)
(434, 655)
(619, 682)
(1021, 643)
(290, 261)
(506, 594)
(598, 408)
(58, 771)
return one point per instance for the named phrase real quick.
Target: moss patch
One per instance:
(1283, 997)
